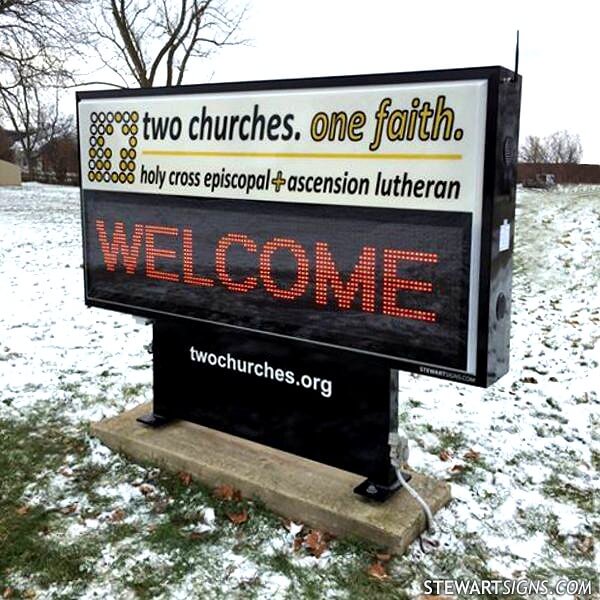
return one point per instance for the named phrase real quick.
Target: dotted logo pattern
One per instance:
(103, 163)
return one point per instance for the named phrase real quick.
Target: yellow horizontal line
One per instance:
(324, 155)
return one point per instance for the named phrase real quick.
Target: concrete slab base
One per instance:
(297, 488)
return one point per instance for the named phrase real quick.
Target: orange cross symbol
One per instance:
(278, 181)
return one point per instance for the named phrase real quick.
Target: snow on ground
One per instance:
(519, 455)
(50, 339)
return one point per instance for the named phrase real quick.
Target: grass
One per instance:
(596, 459)
(26, 453)
(555, 487)
(449, 439)
(248, 541)
(36, 554)
(132, 391)
(33, 449)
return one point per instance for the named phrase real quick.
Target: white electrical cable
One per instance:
(399, 455)
(422, 503)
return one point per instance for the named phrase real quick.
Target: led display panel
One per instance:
(384, 281)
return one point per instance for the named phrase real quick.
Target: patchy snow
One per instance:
(525, 501)
(208, 516)
(534, 428)
(52, 345)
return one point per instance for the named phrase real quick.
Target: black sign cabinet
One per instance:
(285, 368)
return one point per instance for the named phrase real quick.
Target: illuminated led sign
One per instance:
(356, 212)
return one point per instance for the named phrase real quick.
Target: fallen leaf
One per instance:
(198, 535)
(185, 478)
(66, 471)
(377, 570)
(457, 468)
(238, 518)
(117, 515)
(445, 455)
(297, 544)
(316, 542)
(22, 510)
(383, 557)
(69, 510)
(146, 489)
(227, 492)
(471, 454)
(8, 592)
(585, 545)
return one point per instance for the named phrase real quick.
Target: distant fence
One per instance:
(50, 177)
(562, 173)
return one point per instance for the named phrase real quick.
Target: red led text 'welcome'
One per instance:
(329, 284)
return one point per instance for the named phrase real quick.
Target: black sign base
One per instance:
(153, 420)
(333, 406)
(379, 493)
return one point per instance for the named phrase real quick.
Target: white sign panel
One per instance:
(405, 145)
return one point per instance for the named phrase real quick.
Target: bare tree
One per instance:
(37, 32)
(31, 106)
(147, 41)
(59, 155)
(560, 147)
(564, 148)
(533, 150)
(36, 42)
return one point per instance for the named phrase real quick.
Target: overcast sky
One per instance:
(559, 59)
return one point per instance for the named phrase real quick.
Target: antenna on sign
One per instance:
(516, 58)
